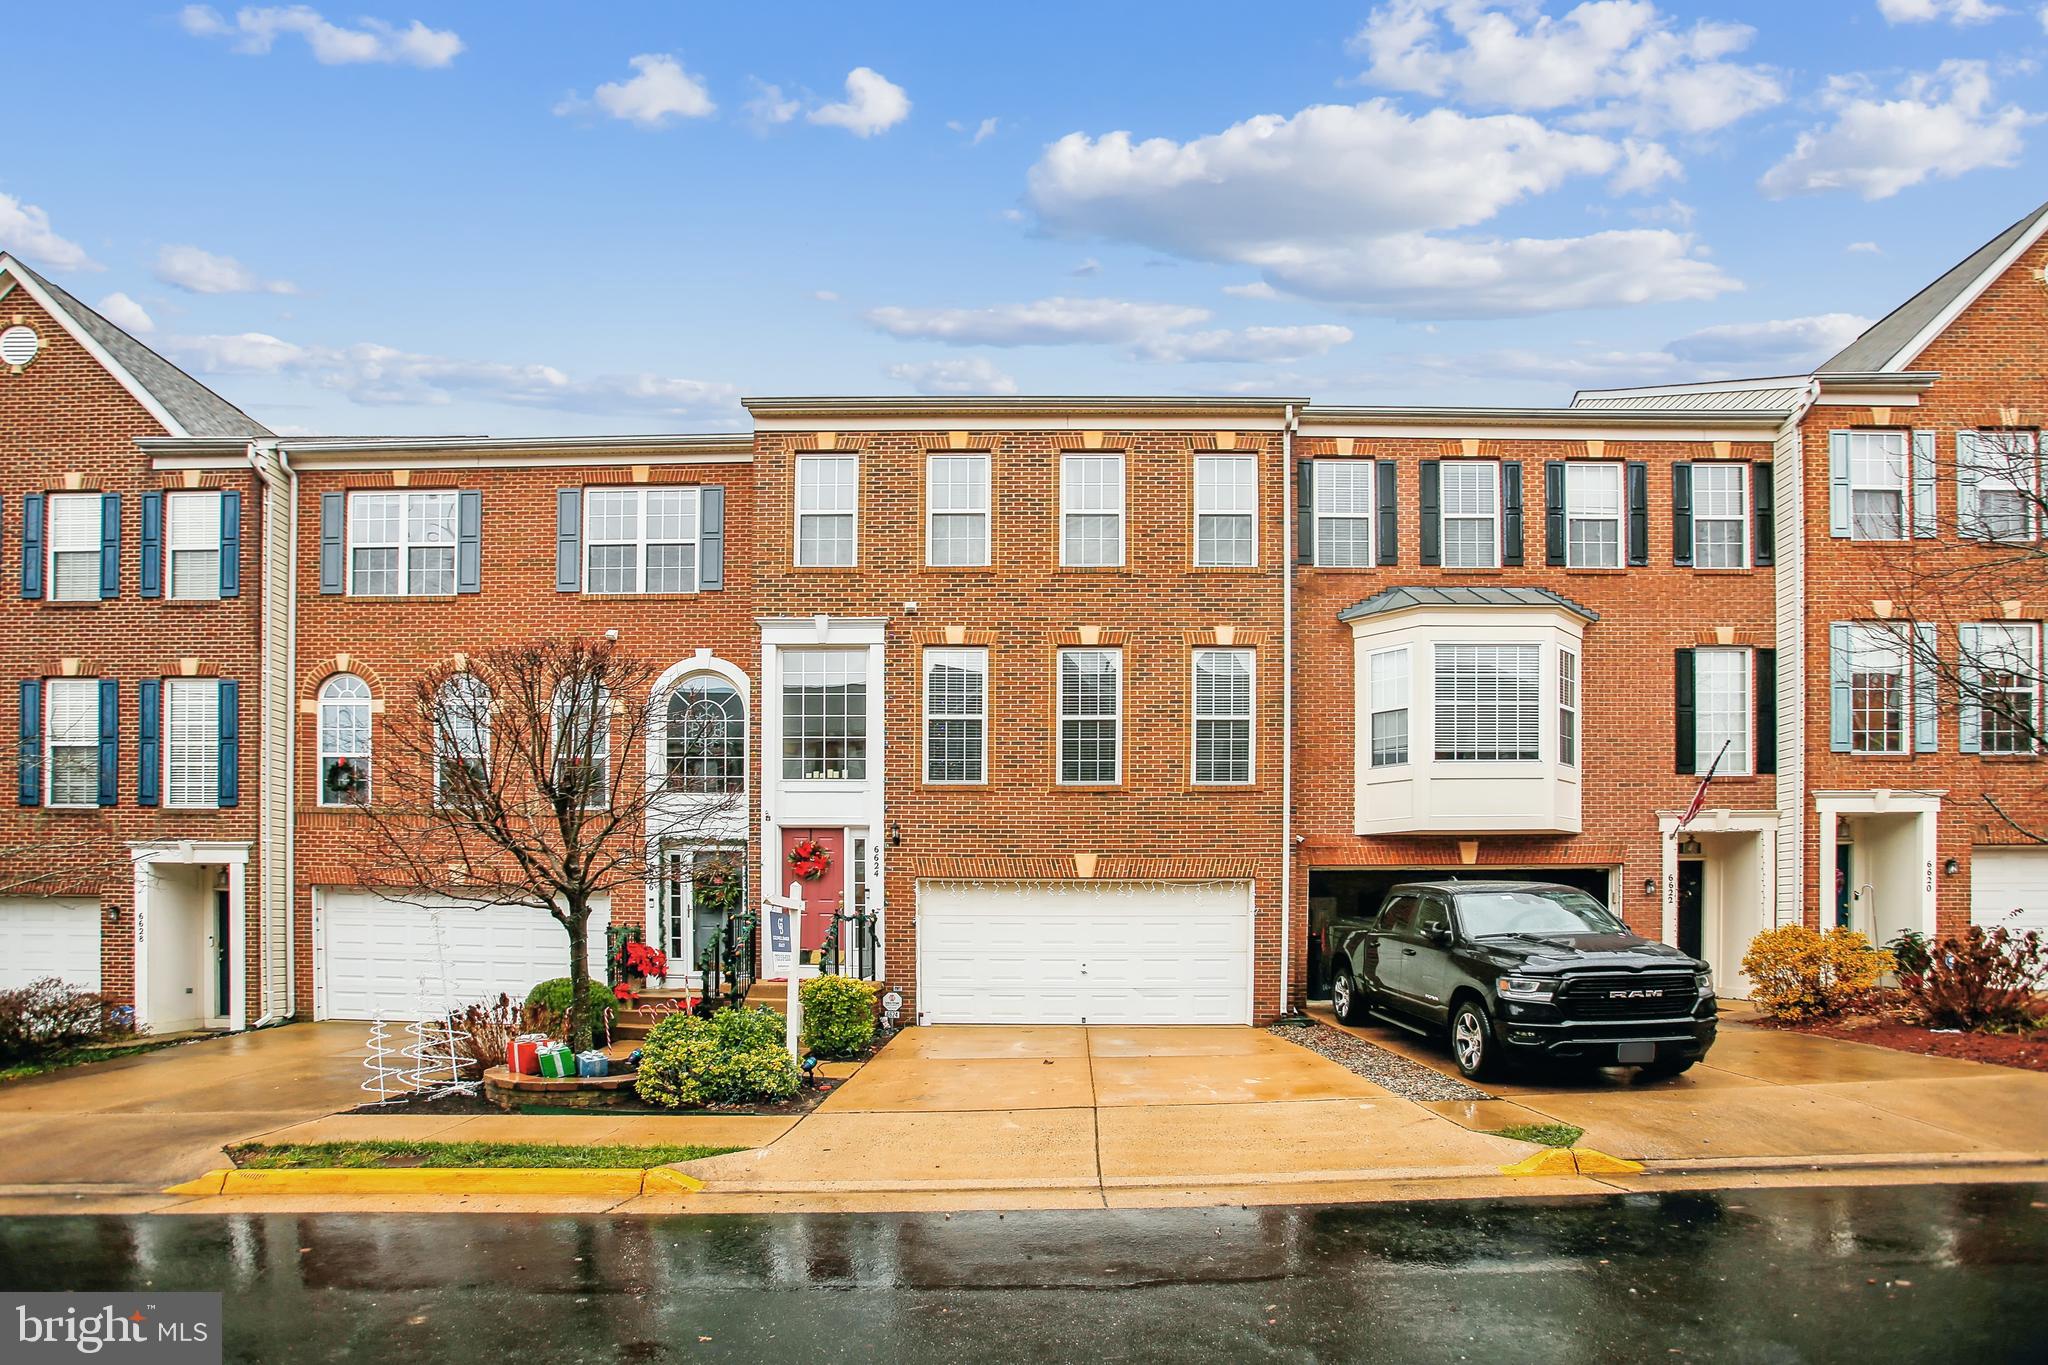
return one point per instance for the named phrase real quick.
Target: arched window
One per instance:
(462, 736)
(707, 736)
(344, 741)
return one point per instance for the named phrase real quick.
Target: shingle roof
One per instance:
(196, 408)
(1400, 599)
(1885, 338)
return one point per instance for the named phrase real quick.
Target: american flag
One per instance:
(1699, 798)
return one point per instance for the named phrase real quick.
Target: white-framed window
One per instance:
(1878, 464)
(1226, 511)
(706, 736)
(192, 544)
(583, 740)
(1223, 716)
(192, 743)
(462, 737)
(1091, 705)
(1344, 513)
(1998, 484)
(1720, 516)
(640, 539)
(956, 510)
(344, 724)
(72, 707)
(75, 546)
(956, 715)
(1470, 491)
(1488, 703)
(2002, 673)
(1722, 710)
(1567, 708)
(402, 544)
(1879, 682)
(1592, 515)
(1091, 511)
(1388, 707)
(824, 715)
(827, 511)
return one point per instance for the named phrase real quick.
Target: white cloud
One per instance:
(255, 30)
(25, 230)
(1091, 266)
(1958, 12)
(972, 374)
(1372, 192)
(1936, 125)
(1644, 166)
(1257, 289)
(1612, 63)
(202, 272)
(376, 375)
(1864, 248)
(1257, 344)
(985, 130)
(825, 295)
(658, 91)
(1046, 322)
(1778, 347)
(770, 107)
(127, 314)
(873, 104)
(1742, 350)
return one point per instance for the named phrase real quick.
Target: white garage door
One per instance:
(378, 956)
(49, 936)
(1080, 952)
(2004, 880)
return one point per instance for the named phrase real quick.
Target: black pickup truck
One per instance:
(1522, 970)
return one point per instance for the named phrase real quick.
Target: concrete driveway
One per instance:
(155, 1119)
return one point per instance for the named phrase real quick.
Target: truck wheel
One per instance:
(1472, 1043)
(1345, 998)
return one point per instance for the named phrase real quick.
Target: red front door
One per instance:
(824, 897)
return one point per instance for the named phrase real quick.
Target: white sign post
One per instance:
(784, 916)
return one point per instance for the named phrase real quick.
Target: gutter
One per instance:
(285, 1013)
(1289, 539)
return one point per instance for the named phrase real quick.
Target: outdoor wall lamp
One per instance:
(896, 837)
(1950, 868)
(1649, 886)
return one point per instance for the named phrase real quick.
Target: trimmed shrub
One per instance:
(48, 1018)
(733, 1057)
(1981, 978)
(1795, 973)
(601, 1007)
(838, 1014)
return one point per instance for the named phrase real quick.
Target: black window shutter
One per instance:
(1767, 710)
(333, 517)
(1305, 512)
(1511, 513)
(1638, 512)
(110, 545)
(1388, 542)
(1553, 512)
(1432, 512)
(231, 544)
(1763, 496)
(1681, 514)
(32, 546)
(1686, 722)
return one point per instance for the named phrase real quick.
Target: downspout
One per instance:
(1288, 541)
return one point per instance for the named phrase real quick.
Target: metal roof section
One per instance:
(484, 445)
(1778, 393)
(1408, 598)
(1317, 414)
(185, 406)
(994, 405)
(1892, 342)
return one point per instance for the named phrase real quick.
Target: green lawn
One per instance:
(21, 1071)
(292, 1156)
(1543, 1134)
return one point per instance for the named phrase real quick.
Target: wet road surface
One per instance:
(1934, 1273)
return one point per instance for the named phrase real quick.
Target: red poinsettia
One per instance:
(808, 859)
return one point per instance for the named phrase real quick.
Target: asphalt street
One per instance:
(1935, 1273)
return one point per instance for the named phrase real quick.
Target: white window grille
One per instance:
(192, 544)
(1592, 514)
(640, 539)
(1470, 492)
(1720, 516)
(1388, 704)
(73, 706)
(827, 510)
(75, 546)
(1878, 690)
(1226, 510)
(1998, 484)
(824, 714)
(1722, 713)
(402, 544)
(1092, 511)
(344, 741)
(956, 510)
(2003, 688)
(1878, 461)
(1567, 708)
(955, 715)
(1488, 707)
(1223, 716)
(192, 742)
(1344, 512)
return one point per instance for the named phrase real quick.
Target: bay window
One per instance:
(1388, 703)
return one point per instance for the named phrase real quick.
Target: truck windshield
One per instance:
(1492, 914)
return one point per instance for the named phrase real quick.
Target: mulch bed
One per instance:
(1390, 1070)
(2027, 1051)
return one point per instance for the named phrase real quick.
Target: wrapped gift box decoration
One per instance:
(521, 1054)
(593, 1063)
(556, 1061)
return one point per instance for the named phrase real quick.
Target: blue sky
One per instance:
(535, 218)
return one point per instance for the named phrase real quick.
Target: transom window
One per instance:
(1091, 716)
(1877, 690)
(706, 736)
(192, 544)
(344, 741)
(1878, 462)
(1592, 516)
(1470, 490)
(1720, 516)
(1092, 511)
(955, 715)
(402, 544)
(827, 509)
(1389, 707)
(1223, 716)
(956, 510)
(824, 714)
(640, 539)
(75, 546)
(1344, 512)
(1567, 708)
(1226, 510)
(1998, 482)
(2003, 685)
(73, 706)
(1488, 707)
(1721, 710)
(192, 742)
(462, 739)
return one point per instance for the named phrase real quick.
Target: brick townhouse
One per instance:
(1101, 708)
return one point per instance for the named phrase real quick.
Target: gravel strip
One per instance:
(1409, 1080)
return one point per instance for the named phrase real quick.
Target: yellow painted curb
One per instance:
(599, 1183)
(668, 1180)
(1549, 1161)
(1599, 1163)
(209, 1183)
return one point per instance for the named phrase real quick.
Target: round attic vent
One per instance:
(18, 345)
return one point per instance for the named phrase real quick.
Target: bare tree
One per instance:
(522, 776)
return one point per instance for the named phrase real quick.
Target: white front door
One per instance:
(45, 936)
(385, 957)
(1084, 952)
(2009, 886)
